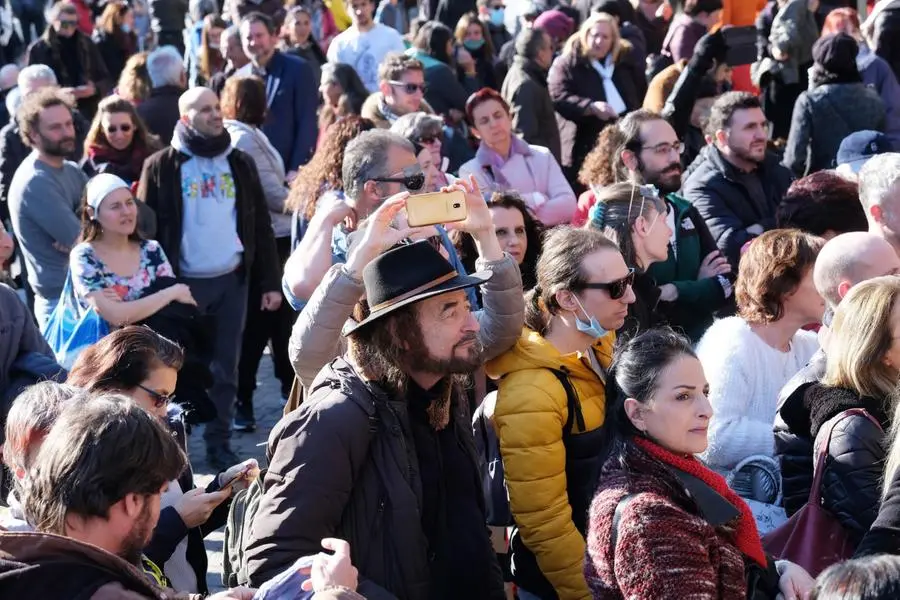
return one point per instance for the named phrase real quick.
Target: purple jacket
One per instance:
(536, 176)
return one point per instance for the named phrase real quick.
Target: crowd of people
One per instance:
(654, 355)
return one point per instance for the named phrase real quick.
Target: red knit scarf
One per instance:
(746, 536)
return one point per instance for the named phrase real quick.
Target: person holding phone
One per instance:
(143, 365)
(504, 161)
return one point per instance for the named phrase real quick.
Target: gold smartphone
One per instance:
(436, 208)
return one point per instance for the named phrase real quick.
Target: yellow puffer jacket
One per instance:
(529, 418)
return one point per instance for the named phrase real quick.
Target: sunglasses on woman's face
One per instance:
(615, 288)
(413, 178)
(432, 138)
(124, 128)
(159, 400)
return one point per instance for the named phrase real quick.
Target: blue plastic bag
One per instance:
(71, 327)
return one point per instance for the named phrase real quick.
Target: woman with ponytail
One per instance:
(550, 406)
(663, 525)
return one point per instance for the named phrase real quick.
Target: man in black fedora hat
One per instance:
(381, 452)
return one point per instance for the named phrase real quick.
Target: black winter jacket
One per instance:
(160, 111)
(714, 186)
(533, 116)
(851, 483)
(46, 51)
(160, 190)
(823, 117)
(793, 448)
(574, 85)
(344, 465)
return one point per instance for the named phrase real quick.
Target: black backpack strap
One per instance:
(617, 516)
(572, 403)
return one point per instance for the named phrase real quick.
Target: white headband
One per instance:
(102, 185)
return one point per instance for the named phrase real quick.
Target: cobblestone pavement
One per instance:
(267, 408)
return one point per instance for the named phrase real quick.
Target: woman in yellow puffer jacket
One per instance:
(550, 406)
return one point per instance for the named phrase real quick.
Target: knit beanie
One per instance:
(836, 54)
(556, 23)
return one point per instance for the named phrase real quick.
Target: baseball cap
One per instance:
(859, 147)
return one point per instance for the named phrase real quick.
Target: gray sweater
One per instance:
(42, 204)
(316, 338)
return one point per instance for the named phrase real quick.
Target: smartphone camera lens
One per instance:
(457, 205)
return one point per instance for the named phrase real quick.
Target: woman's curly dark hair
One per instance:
(534, 234)
(323, 172)
(597, 167)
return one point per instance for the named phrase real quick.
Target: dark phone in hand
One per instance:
(741, 43)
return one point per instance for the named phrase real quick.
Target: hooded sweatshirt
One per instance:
(529, 417)
(210, 245)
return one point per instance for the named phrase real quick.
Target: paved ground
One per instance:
(267, 407)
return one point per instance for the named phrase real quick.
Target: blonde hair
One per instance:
(860, 336)
(578, 42)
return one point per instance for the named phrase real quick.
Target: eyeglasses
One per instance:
(124, 128)
(413, 178)
(615, 288)
(665, 148)
(409, 88)
(66, 24)
(430, 139)
(159, 400)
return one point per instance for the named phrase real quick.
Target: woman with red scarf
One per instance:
(118, 141)
(662, 524)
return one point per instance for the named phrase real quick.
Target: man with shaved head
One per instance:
(845, 261)
(212, 221)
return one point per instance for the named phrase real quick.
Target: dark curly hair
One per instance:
(323, 172)
(772, 267)
(534, 234)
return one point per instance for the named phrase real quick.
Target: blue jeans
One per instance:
(526, 595)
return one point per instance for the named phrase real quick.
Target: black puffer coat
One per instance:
(793, 448)
(729, 206)
(851, 484)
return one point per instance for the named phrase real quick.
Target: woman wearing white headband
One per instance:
(112, 266)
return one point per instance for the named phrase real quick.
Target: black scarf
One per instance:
(202, 145)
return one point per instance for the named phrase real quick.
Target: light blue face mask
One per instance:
(497, 16)
(473, 44)
(591, 327)
(125, 27)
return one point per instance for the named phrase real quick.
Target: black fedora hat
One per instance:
(407, 274)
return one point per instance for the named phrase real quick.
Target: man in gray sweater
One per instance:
(44, 194)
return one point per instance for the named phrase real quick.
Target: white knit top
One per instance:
(745, 375)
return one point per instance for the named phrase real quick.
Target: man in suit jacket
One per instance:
(291, 92)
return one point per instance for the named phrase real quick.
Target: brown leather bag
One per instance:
(813, 538)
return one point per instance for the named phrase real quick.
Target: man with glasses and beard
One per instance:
(736, 183)
(377, 164)
(44, 194)
(94, 494)
(380, 452)
(695, 280)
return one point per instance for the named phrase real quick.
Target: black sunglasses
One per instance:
(615, 288)
(413, 179)
(159, 400)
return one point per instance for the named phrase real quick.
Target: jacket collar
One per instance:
(36, 548)
(714, 508)
(715, 156)
(531, 68)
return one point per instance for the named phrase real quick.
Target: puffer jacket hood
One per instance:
(532, 351)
